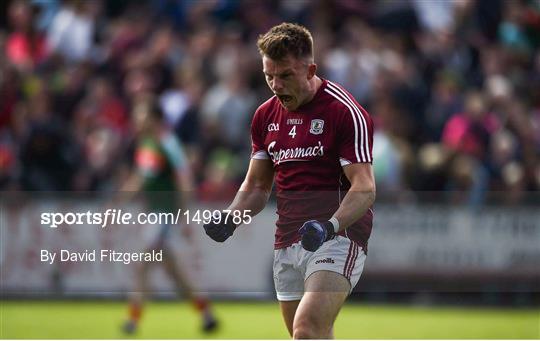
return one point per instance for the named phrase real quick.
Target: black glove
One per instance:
(314, 233)
(218, 229)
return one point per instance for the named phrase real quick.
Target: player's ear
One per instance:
(312, 70)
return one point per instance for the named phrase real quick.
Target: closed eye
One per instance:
(285, 75)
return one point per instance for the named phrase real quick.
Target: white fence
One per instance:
(406, 240)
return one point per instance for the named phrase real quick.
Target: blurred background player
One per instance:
(162, 174)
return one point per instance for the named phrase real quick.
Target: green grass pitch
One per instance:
(260, 320)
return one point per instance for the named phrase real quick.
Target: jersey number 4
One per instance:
(293, 132)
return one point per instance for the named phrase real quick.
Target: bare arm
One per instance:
(256, 188)
(185, 185)
(133, 183)
(360, 197)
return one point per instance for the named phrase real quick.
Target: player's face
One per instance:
(288, 79)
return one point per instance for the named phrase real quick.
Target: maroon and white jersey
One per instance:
(308, 148)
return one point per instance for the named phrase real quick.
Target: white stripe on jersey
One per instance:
(363, 123)
(260, 155)
(344, 162)
(355, 124)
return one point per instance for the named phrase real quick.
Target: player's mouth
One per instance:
(285, 99)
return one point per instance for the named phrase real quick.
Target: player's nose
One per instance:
(276, 85)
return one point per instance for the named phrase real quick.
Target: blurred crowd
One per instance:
(453, 87)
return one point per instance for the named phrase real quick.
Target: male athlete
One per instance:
(315, 140)
(161, 173)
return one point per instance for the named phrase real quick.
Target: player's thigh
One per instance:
(341, 256)
(288, 279)
(288, 282)
(288, 310)
(325, 293)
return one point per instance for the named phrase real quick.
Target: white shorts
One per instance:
(293, 265)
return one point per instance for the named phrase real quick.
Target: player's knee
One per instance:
(141, 270)
(302, 333)
(308, 329)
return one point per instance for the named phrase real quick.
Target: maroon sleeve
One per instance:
(258, 151)
(355, 134)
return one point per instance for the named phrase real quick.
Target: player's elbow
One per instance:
(260, 188)
(372, 192)
(368, 191)
(370, 196)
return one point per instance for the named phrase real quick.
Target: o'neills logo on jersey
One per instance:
(326, 260)
(294, 154)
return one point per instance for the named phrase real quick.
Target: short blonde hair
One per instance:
(286, 39)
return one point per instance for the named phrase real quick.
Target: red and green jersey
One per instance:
(158, 160)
